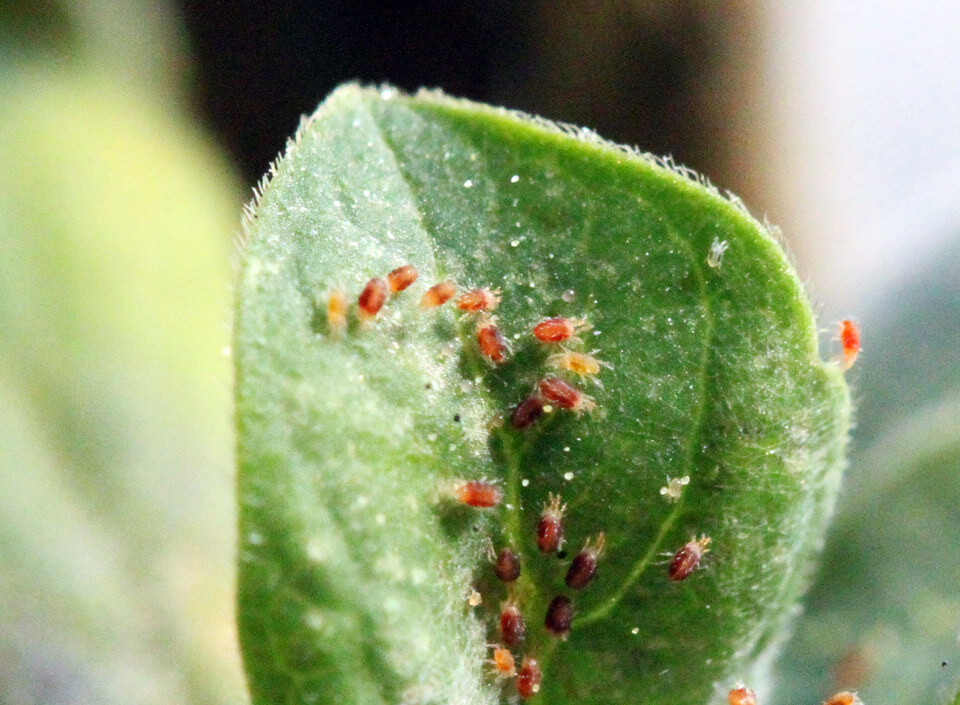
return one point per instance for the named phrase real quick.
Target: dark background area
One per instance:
(643, 73)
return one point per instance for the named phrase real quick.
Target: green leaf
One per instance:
(356, 563)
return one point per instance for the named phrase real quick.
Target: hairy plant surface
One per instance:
(363, 577)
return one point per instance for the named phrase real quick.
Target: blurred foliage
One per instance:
(116, 519)
(884, 616)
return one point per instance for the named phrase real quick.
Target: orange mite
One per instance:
(493, 345)
(528, 680)
(513, 630)
(550, 526)
(742, 695)
(478, 300)
(557, 330)
(438, 294)
(564, 395)
(686, 560)
(579, 363)
(337, 312)
(477, 493)
(402, 277)
(373, 296)
(844, 697)
(584, 565)
(503, 663)
(850, 340)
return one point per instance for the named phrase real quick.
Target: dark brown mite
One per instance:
(686, 560)
(559, 616)
(550, 527)
(584, 565)
(526, 413)
(507, 566)
(402, 277)
(513, 630)
(528, 680)
(372, 297)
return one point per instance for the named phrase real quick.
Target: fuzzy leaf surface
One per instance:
(356, 562)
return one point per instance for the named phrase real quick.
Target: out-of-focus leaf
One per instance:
(884, 614)
(115, 516)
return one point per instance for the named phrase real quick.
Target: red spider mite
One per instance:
(686, 560)
(513, 630)
(493, 345)
(850, 340)
(550, 526)
(438, 294)
(844, 697)
(528, 680)
(372, 297)
(337, 312)
(478, 300)
(507, 566)
(527, 412)
(584, 565)
(477, 493)
(502, 661)
(559, 329)
(564, 394)
(402, 277)
(742, 695)
(559, 616)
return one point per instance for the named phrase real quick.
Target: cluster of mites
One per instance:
(478, 493)
(741, 695)
(550, 390)
(583, 568)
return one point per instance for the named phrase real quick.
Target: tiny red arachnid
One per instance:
(565, 395)
(527, 412)
(478, 300)
(438, 294)
(528, 680)
(337, 312)
(506, 566)
(402, 277)
(559, 616)
(372, 298)
(550, 526)
(850, 341)
(844, 697)
(741, 695)
(477, 493)
(502, 661)
(513, 630)
(686, 560)
(584, 565)
(493, 345)
(558, 329)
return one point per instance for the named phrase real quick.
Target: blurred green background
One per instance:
(131, 134)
